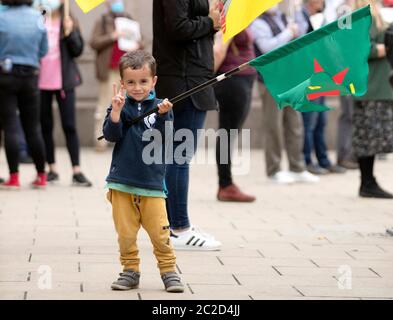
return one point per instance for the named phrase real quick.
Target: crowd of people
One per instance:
(37, 63)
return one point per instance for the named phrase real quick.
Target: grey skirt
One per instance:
(372, 127)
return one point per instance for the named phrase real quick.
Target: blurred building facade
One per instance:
(141, 10)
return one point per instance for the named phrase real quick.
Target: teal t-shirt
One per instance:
(136, 191)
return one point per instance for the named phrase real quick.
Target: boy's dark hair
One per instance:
(16, 2)
(136, 60)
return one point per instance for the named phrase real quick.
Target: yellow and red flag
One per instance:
(87, 5)
(236, 15)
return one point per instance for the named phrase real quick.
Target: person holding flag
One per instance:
(183, 32)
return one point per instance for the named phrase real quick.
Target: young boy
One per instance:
(136, 189)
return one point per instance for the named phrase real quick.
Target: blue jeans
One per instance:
(177, 174)
(314, 137)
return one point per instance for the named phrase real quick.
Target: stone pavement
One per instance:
(295, 242)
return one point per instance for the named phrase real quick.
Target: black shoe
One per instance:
(371, 189)
(52, 176)
(389, 231)
(1, 180)
(78, 179)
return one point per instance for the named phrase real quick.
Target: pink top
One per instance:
(50, 73)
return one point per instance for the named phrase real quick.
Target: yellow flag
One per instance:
(87, 5)
(238, 14)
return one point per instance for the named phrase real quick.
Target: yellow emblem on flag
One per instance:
(87, 5)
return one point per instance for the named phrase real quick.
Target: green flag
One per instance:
(330, 61)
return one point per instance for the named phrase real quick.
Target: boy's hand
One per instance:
(118, 102)
(164, 106)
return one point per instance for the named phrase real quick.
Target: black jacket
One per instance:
(183, 35)
(71, 47)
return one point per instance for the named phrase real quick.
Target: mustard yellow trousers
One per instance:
(129, 213)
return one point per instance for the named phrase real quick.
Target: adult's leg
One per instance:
(344, 130)
(177, 175)
(8, 119)
(24, 153)
(319, 141)
(272, 120)
(66, 101)
(366, 166)
(29, 107)
(309, 123)
(365, 141)
(234, 97)
(47, 124)
(294, 139)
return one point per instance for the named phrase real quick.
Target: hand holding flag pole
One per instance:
(190, 92)
(321, 63)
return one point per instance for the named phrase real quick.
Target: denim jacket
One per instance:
(23, 37)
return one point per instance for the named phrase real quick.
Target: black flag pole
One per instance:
(190, 92)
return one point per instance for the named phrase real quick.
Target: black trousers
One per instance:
(234, 98)
(66, 103)
(20, 92)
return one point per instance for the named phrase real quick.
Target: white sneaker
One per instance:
(194, 240)
(203, 233)
(305, 176)
(282, 177)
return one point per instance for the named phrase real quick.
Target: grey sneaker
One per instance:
(172, 282)
(129, 279)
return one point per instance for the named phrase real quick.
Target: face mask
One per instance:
(117, 7)
(52, 4)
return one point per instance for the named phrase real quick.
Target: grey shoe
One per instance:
(336, 169)
(316, 169)
(129, 279)
(172, 282)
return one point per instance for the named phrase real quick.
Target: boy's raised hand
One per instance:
(164, 106)
(118, 99)
(118, 102)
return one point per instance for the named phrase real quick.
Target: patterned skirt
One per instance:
(372, 127)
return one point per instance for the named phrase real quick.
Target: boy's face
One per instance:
(138, 83)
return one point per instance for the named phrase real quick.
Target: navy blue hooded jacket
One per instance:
(127, 165)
